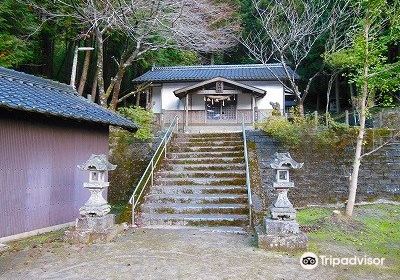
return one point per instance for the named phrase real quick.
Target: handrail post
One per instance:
(133, 211)
(152, 174)
(165, 148)
(248, 184)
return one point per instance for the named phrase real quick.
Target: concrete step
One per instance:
(181, 208)
(216, 229)
(198, 190)
(194, 219)
(206, 160)
(209, 154)
(204, 167)
(208, 143)
(201, 174)
(216, 149)
(221, 181)
(197, 198)
(209, 136)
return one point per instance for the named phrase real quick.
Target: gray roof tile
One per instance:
(30, 93)
(244, 72)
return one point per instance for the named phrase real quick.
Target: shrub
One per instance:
(143, 118)
(282, 130)
(304, 131)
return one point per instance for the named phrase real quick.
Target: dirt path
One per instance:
(165, 254)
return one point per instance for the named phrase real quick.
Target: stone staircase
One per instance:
(201, 183)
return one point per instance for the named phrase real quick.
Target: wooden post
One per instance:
(147, 99)
(316, 119)
(380, 119)
(253, 101)
(74, 66)
(347, 116)
(187, 111)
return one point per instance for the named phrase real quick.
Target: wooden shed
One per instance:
(46, 130)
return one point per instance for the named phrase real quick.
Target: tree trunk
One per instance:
(328, 94)
(117, 88)
(360, 139)
(47, 52)
(301, 107)
(85, 70)
(100, 63)
(337, 95)
(94, 87)
(357, 156)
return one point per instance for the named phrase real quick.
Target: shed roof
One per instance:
(25, 92)
(243, 72)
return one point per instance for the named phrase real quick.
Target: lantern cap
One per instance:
(97, 162)
(284, 161)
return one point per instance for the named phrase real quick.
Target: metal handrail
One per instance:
(248, 183)
(148, 174)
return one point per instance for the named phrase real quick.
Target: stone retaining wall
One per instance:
(131, 160)
(323, 179)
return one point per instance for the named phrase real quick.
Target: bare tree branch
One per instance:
(289, 31)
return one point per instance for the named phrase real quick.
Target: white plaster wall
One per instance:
(274, 91)
(169, 100)
(157, 105)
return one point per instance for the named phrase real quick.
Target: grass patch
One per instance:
(374, 230)
(310, 216)
(54, 237)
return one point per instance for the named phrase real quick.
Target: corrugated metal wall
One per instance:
(40, 185)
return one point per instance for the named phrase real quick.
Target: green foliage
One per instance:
(16, 23)
(170, 57)
(380, 18)
(143, 118)
(304, 131)
(13, 51)
(282, 130)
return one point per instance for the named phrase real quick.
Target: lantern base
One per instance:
(283, 213)
(94, 230)
(281, 235)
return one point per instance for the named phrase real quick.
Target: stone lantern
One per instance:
(98, 166)
(281, 231)
(95, 223)
(282, 209)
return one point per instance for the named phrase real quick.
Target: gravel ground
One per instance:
(166, 254)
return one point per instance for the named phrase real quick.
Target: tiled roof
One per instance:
(29, 93)
(244, 72)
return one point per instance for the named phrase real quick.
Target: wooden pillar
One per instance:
(253, 102)
(187, 111)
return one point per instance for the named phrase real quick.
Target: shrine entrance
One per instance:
(221, 107)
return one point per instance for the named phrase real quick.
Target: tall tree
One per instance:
(378, 27)
(289, 30)
(200, 25)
